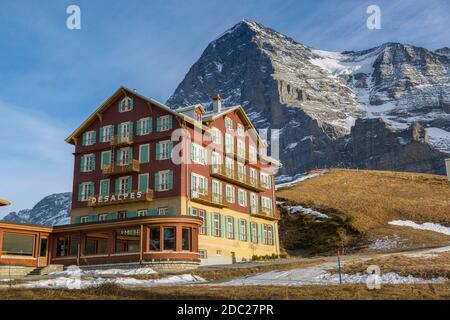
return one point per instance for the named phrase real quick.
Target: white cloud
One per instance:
(35, 160)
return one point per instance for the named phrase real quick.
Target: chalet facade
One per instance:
(157, 184)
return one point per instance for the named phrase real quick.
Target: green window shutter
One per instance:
(111, 216)
(150, 125)
(170, 211)
(130, 183)
(92, 193)
(143, 183)
(212, 224)
(93, 218)
(227, 236)
(158, 147)
(247, 227)
(118, 156)
(138, 127)
(119, 106)
(106, 158)
(78, 220)
(191, 211)
(94, 137)
(208, 223)
(100, 134)
(192, 152)
(170, 179)
(119, 130)
(158, 124)
(82, 164)
(236, 228)
(131, 129)
(222, 223)
(170, 148)
(116, 185)
(153, 211)
(112, 130)
(132, 103)
(170, 122)
(143, 154)
(258, 233)
(104, 188)
(95, 162)
(130, 154)
(157, 186)
(274, 237)
(83, 139)
(80, 191)
(263, 240)
(239, 229)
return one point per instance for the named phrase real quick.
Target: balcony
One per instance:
(120, 198)
(224, 173)
(265, 213)
(117, 141)
(214, 199)
(122, 168)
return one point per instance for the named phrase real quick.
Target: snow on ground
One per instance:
(384, 243)
(424, 226)
(75, 271)
(308, 211)
(440, 139)
(285, 181)
(318, 275)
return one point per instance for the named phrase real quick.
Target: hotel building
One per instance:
(159, 185)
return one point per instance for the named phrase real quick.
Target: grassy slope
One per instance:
(367, 200)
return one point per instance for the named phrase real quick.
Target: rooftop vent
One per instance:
(217, 103)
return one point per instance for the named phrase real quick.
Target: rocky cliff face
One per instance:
(383, 108)
(52, 210)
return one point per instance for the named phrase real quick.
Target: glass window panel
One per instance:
(16, 244)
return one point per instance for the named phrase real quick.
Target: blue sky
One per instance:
(52, 78)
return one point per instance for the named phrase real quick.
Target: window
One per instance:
(199, 154)
(270, 235)
(229, 143)
(144, 126)
(242, 229)
(17, 244)
(87, 163)
(215, 135)
(124, 156)
(144, 153)
(121, 215)
(84, 219)
(266, 205)
(266, 180)
(242, 172)
(169, 239)
(164, 150)
(254, 232)
(253, 203)
(106, 159)
(186, 239)
(103, 217)
(228, 123)
(143, 182)
(242, 198)
(106, 133)
(241, 148)
(253, 176)
(43, 248)
(104, 187)
(163, 211)
(126, 104)
(216, 224)
(125, 132)
(240, 130)
(203, 254)
(252, 154)
(155, 239)
(124, 185)
(230, 227)
(86, 190)
(230, 193)
(229, 167)
(164, 123)
(202, 229)
(199, 185)
(142, 213)
(216, 192)
(164, 180)
(265, 234)
(89, 138)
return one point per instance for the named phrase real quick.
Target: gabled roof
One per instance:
(122, 90)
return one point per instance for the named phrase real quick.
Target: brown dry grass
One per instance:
(436, 265)
(370, 199)
(343, 292)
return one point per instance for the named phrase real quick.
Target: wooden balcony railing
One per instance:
(122, 168)
(121, 140)
(120, 198)
(213, 199)
(265, 213)
(240, 179)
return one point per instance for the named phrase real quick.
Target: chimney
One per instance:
(217, 103)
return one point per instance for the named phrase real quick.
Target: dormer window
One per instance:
(126, 104)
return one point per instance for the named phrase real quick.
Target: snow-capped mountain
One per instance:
(387, 107)
(52, 210)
